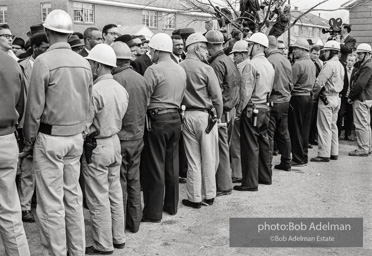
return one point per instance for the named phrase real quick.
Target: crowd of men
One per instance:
(137, 113)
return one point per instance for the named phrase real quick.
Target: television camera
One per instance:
(334, 29)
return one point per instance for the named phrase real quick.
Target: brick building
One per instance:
(158, 16)
(360, 13)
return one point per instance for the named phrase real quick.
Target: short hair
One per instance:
(4, 26)
(107, 27)
(348, 27)
(80, 35)
(315, 48)
(121, 62)
(176, 37)
(351, 55)
(273, 43)
(88, 32)
(38, 39)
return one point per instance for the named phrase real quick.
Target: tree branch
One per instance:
(267, 15)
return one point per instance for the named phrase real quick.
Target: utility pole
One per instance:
(289, 30)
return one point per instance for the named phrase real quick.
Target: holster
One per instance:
(90, 144)
(212, 120)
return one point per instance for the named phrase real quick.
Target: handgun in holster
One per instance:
(182, 115)
(212, 120)
(90, 144)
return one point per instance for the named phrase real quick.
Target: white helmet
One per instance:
(195, 38)
(332, 45)
(103, 53)
(259, 38)
(240, 46)
(59, 21)
(364, 48)
(161, 42)
(121, 50)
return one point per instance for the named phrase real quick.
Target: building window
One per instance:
(311, 34)
(46, 8)
(169, 21)
(150, 19)
(83, 12)
(3, 14)
(296, 30)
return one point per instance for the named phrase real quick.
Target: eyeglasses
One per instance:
(7, 36)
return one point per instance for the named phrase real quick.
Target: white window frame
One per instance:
(150, 19)
(3, 14)
(296, 30)
(83, 13)
(169, 20)
(45, 9)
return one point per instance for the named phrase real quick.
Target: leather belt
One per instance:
(301, 94)
(45, 128)
(197, 109)
(167, 110)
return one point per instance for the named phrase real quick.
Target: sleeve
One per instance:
(20, 106)
(296, 71)
(324, 75)
(151, 82)
(220, 70)
(93, 109)
(360, 83)
(349, 46)
(35, 101)
(214, 91)
(248, 83)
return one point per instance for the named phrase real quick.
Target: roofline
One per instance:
(349, 4)
(143, 7)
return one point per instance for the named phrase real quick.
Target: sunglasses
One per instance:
(7, 36)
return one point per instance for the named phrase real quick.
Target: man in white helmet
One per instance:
(102, 173)
(131, 134)
(279, 100)
(166, 83)
(56, 116)
(361, 96)
(330, 81)
(241, 59)
(229, 78)
(254, 112)
(203, 94)
(299, 117)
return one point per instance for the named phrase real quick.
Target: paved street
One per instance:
(340, 188)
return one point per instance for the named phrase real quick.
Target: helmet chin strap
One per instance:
(250, 53)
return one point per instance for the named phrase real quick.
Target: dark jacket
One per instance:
(346, 81)
(228, 77)
(12, 94)
(362, 86)
(84, 53)
(142, 63)
(347, 48)
(133, 124)
(283, 77)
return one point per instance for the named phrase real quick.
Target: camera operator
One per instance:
(330, 80)
(347, 43)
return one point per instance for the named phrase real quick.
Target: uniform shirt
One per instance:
(133, 125)
(258, 82)
(203, 90)
(304, 75)
(59, 93)
(331, 77)
(283, 77)
(109, 104)
(11, 94)
(166, 83)
(229, 79)
(243, 65)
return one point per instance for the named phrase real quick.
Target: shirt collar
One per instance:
(215, 56)
(104, 77)
(59, 45)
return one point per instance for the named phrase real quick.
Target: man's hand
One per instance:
(350, 101)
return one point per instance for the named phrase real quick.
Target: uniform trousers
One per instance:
(26, 183)
(161, 166)
(130, 182)
(313, 132)
(278, 129)
(327, 127)
(202, 156)
(299, 119)
(346, 114)
(362, 121)
(255, 148)
(104, 195)
(12, 232)
(236, 166)
(56, 164)
(223, 175)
